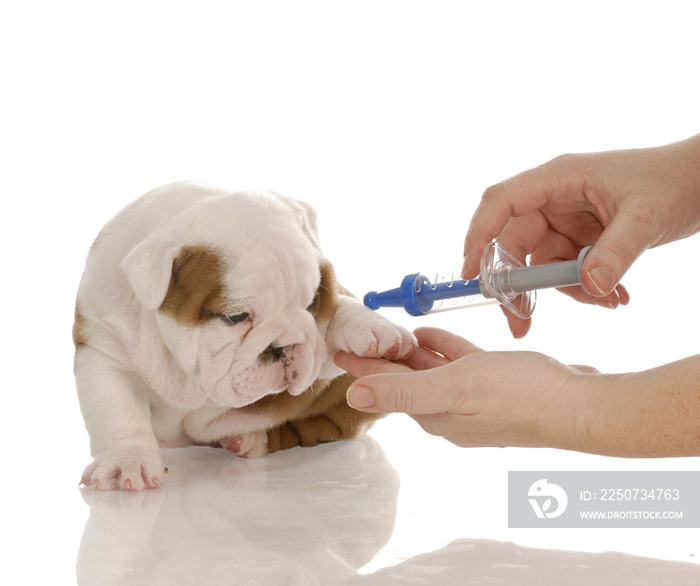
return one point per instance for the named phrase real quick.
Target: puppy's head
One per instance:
(241, 293)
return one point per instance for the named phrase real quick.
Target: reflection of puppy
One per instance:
(206, 316)
(237, 532)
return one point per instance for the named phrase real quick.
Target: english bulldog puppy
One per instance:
(211, 317)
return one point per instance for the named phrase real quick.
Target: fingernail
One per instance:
(602, 279)
(359, 397)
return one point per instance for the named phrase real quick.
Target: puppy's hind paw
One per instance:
(247, 445)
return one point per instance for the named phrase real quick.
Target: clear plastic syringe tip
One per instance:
(504, 278)
(496, 266)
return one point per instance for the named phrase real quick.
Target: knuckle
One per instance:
(580, 164)
(571, 171)
(621, 253)
(493, 192)
(565, 160)
(403, 396)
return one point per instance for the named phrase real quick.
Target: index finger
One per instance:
(449, 345)
(359, 366)
(518, 196)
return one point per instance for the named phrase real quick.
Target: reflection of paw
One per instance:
(374, 336)
(247, 445)
(125, 468)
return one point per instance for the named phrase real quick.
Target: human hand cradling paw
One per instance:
(475, 398)
(472, 398)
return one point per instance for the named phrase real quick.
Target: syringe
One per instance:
(502, 278)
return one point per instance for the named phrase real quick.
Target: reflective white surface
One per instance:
(391, 118)
(395, 506)
(338, 514)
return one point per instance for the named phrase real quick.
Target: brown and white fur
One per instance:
(206, 316)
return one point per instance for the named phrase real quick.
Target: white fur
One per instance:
(144, 378)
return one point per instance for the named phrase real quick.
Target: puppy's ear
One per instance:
(305, 214)
(149, 269)
(309, 223)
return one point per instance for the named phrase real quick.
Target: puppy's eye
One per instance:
(314, 304)
(235, 319)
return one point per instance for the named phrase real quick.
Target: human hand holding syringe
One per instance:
(622, 202)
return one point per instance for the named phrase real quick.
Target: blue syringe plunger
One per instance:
(502, 278)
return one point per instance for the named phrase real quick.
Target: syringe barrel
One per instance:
(443, 292)
(446, 288)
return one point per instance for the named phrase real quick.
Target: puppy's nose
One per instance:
(277, 351)
(280, 353)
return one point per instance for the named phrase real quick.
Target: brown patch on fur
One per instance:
(79, 338)
(345, 292)
(319, 415)
(195, 295)
(326, 302)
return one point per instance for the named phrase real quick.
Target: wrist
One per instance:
(687, 172)
(646, 414)
(587, 423)
(693, 145)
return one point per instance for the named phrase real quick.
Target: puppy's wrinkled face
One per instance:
(252, 323)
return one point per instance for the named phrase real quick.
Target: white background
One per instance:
(391, 118)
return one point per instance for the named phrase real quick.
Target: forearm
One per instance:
(692, 145)
(681, 162)
(654, 413)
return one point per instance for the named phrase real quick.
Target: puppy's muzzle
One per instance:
(284, 355)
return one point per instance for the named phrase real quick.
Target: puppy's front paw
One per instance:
(373, 336)
(247, 445)
(125, 468)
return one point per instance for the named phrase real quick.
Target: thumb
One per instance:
(412, 392)
(618, 247)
